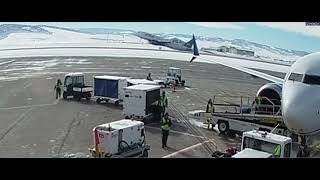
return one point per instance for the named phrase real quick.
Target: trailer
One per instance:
(109, 89)
(233, 118)
(120, 139)
(141, 101)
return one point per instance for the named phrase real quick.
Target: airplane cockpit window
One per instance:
(295, 77)
(311, 79)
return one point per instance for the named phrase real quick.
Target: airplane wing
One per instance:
(240, 68)
(249, 71)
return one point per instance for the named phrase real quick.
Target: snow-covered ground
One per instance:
(63, 38)
(112, 45)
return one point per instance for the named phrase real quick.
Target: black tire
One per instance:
(182, 83)
(223, 126)
(64, 95)
(145, 154)
(116, 103)
(88, 97)
(98, 100)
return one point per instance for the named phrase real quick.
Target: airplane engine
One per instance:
(273, 92)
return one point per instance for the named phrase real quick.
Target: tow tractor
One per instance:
(74, 86)
(236, 118)
(260, 144)
(120, 139)
(174, 76)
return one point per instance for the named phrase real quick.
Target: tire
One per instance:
(98, 100)
(88, 96)
(223, 126)
(116, 103)
(145, 154)
(182, 83)
(64, 95)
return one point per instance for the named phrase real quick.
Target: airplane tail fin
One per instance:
(195, 49)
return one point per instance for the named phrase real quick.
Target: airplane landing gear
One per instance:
(304, 150)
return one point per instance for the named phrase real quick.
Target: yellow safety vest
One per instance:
(277, 151)
(163, 101)
(165, 124)
(210, 108)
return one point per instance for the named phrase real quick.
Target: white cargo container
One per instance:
(138, 100)
(126, 133)
(108, 88)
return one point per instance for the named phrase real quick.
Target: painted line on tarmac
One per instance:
(14, 124)
(177, 132)
(186, 149)
(31, 106)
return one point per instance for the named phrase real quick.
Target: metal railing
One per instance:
(247, 105)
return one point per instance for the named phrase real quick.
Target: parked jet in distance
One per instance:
(174, 43)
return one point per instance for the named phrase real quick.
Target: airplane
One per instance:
(174, 43)
(298, 93)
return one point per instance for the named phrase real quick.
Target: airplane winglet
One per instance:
(195, 49)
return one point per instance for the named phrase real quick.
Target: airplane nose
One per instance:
(300, 115)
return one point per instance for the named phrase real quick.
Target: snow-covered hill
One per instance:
(264, 51)
(21, 36)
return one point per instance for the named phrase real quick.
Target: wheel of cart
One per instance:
(145, 153)
(88, 96)
(98, 100)
(223, 126)
(64, 95)
(183, 83)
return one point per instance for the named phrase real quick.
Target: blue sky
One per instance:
(295, 36)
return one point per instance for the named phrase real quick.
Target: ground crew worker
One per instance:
(165, 127)
(149, 77)
(163, 102)
(210, 109)
(256, 103)
(277, 151)
(57, 87)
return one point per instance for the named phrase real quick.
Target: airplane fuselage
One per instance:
(301, 96)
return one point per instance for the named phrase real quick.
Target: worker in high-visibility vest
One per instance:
(277, 151)
(163, 102)
(256, 103)
(210, 109)
(165, 127)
